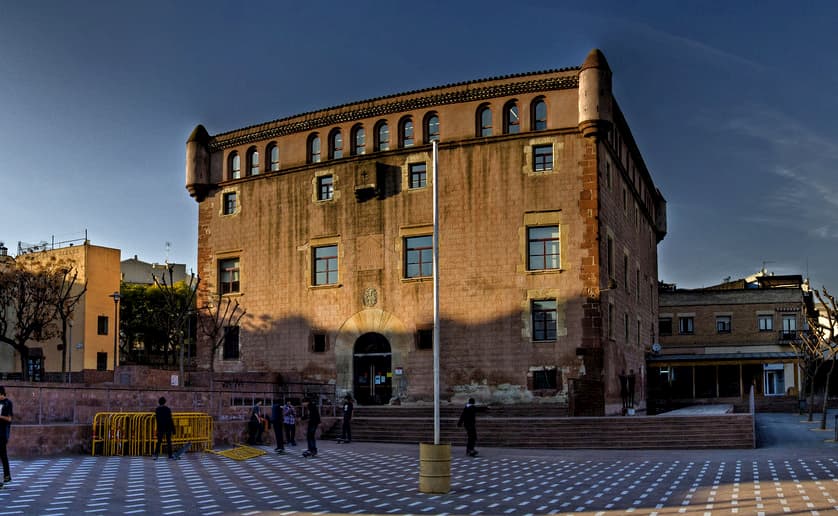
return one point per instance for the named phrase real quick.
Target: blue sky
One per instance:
(731, 103)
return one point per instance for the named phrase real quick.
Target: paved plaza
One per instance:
(794, 472)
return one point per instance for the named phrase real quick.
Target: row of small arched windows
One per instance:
(406, 136)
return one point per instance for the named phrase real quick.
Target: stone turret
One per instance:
(595, 100)
(198, 163)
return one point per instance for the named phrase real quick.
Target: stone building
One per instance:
(717, 342)
(320, 225)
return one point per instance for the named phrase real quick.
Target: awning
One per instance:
(767, 357)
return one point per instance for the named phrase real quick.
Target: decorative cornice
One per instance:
(271, 130)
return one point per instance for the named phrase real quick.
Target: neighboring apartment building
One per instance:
(717, 342)
(321, 226)
(92, 333)
(136, 271)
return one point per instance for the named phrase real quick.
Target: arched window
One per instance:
(406, 132)
(252, 162)
(511, 118)
(431, 129)
(273, 155)
(314, 148)
(335, 144)
(235, 165)
(539, 114)
(484, 120)
(382, 136)
(359, 140)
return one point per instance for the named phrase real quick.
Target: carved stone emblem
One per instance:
(370, 297)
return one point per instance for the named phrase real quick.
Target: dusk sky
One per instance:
(732, 104)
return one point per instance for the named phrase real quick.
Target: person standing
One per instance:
(277, 422)
(312, 413)
(165, 427)
(289, 420)
(468, 419)
(254, 427)
(632, 380)
(6, 414)
(624, 393)
(346, 429)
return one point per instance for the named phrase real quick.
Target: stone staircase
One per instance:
(541, 426)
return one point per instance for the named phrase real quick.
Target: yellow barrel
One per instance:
(434, 468)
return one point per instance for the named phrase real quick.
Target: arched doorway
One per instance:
(371, 361)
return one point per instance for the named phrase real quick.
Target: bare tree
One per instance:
(28, 306)
(67, 296)
(828, 322)
(810, 356)
(215, 317)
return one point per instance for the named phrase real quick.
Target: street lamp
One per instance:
(115, 297)
(68, 348)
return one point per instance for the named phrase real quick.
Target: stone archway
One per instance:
(372, 321)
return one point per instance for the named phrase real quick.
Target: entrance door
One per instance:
(371, 367)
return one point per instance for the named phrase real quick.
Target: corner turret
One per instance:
(595, 100)
(198, 163)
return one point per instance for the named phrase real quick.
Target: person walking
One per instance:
(312, 413)
(346, 429)
(468, 419)
(6, 413)
(289, 420)
(165, 427)
(277, 422)
(624, 393)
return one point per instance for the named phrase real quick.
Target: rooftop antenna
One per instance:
(764, 263)
(168, 248)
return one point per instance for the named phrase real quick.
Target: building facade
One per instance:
(93, 325)
(719, 341)
(138, 272)
(321, 226)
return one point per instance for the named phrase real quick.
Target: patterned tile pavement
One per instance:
(786, 477)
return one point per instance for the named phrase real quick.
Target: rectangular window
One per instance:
(228, 275)
(231, 343)
(665, 326)
(544, 379)
(425, 339)
(789, 327)
(542, 158)
(685, 325)
(325, 188)
(319, 343)
(418, 175)
(229, 203)
(766, 322)
(723, 324)
(637, 286)
(609, 256)
(102, 325)
(101, 361)
(626, 272)
(543, 248)
(418, 257)
(326, 265)
(626, 326)
(544, 319)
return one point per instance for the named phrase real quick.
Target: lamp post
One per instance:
(116, 298)
(68, 347)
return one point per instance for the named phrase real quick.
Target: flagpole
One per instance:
(436, 289)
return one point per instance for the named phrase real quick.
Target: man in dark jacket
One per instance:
(311, 412)
(276, 421)
(468, 420)
(165, 427)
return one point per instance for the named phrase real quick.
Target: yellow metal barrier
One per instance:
(135, 433)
